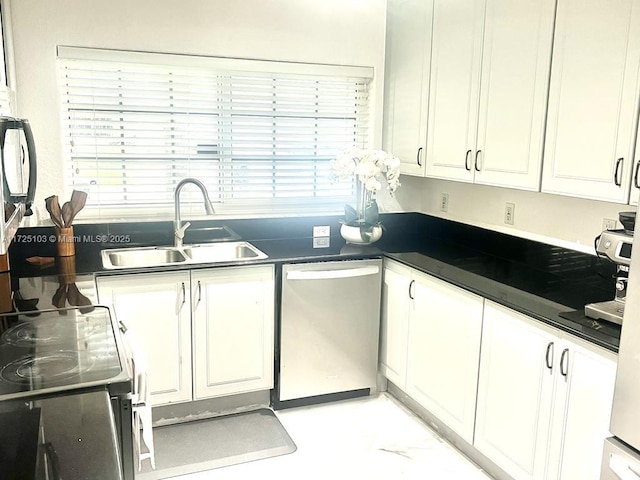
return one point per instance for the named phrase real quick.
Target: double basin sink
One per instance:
(221, 250)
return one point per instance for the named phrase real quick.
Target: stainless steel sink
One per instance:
(137, 257)
(141, 257)
(222, 252)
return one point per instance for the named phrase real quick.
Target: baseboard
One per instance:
(208, 408)
(447, 434)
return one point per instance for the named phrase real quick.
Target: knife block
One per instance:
(65, 242)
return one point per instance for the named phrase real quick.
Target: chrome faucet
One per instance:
(178, 228)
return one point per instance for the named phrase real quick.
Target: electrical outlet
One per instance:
(444, 202)
(509, 213)
(322, 231)
(321, 242)
(609, 224)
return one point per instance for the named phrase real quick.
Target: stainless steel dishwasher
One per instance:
(330, 321)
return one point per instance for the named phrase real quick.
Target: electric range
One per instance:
(66, 353)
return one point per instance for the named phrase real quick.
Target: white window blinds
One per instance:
(258, 134)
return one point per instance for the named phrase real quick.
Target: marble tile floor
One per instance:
(368, 438)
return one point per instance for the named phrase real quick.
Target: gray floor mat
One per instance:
(217, 442)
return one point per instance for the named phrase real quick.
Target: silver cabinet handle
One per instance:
(635, 177)
(549, 357)
(411, 283)
(467, 167)
(418, 157)
(618, 181)
(476, 163)
(199, 291)
(184, 294)
(564, 370)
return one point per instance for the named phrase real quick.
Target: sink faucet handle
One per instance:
(180, 231)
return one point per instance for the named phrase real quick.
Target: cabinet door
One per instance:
(444, 352)
(394, 323)
(515, 391)
(635, 180)
(233, 321)
(593, 99)
(454, 88)
(516, 59)
(155, 307)
(581, 410)
(408, 50)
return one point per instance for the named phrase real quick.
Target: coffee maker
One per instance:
(615, 245)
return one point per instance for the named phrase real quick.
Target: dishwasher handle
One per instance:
(332, 273)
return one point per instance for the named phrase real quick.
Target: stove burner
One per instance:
(48, 331)
(43, 369)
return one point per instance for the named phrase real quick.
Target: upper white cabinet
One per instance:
(544, 399)
(408, 50)
(454, 88)
(635, 180)
(430, 344)
(593, 99)
(488, 90)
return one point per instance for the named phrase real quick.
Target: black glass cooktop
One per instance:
(57, 350)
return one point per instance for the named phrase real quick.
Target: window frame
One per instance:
(229, 66)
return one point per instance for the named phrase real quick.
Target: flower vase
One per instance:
(353, 235)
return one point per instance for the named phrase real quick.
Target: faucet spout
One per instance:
(178, 227)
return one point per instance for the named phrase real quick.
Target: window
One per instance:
(258, 134)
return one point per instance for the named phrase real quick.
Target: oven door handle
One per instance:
(52, 460)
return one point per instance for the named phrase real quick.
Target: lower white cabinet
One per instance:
(394, 322)
(431, 344)
(533, 399)
(205, 333)
(232, 330)
(544, 398)
(155, 307)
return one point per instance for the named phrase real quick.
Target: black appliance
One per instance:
(60, 372)
(18, 168)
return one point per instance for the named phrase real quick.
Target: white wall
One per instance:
(343, 32)
(555, 219)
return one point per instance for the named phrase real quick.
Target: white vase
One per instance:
(352, 235)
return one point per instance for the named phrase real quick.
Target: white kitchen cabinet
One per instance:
(515, 391)
(581, 411)
(634, 198)
(488, 91)
(205, 333)
(456, 51)
(407, 56)
(233, 323)
(394, 322)
(444, 352)
(430, 343)
(544, 398)
(155, 307)
(593, 99)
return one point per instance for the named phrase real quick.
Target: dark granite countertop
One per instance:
(536, 279)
